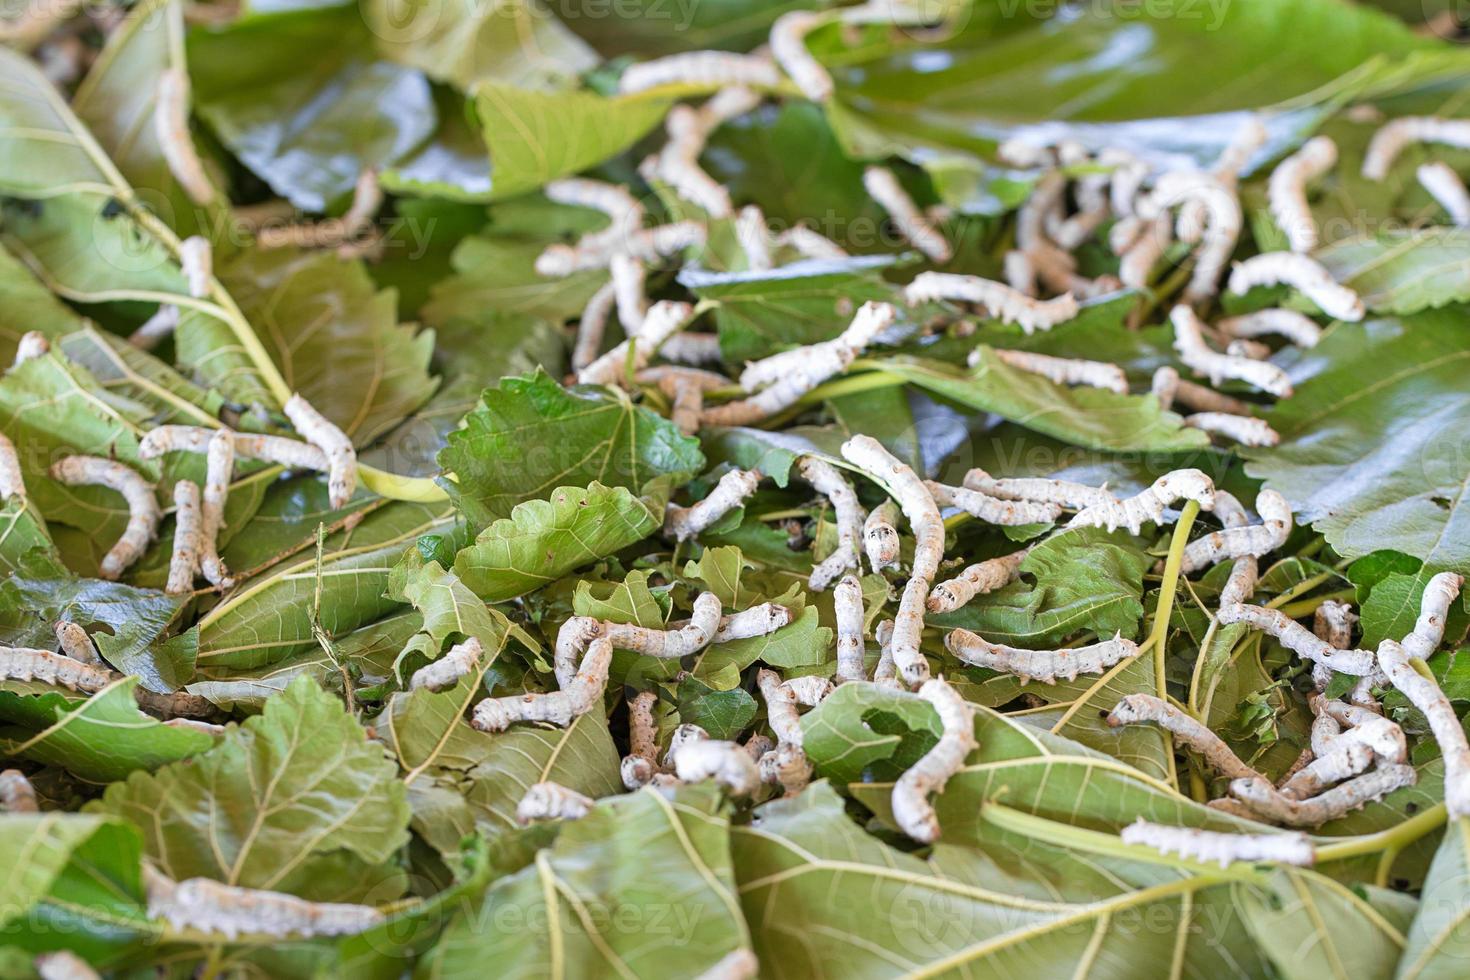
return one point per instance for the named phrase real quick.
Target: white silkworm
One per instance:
(1208, 846)
(1168, 387)
(185, 559)
(1063, 493)
(677, 164)
(596, 249)
(1222, 228)
(1253, 349)
(1065, 370)
(993, 510)
(592, 326)
(1426, 695)
(12, 481)
(809, 690)
(1147, 248)
(682, 523)
(446, 672)
(641, 763)
(670, 644)
(1138, 709)
(196, 258)
(912, 224)
(1295, 327)
(885, 673)
(686, 402)
(1333, 623)
(1149, 505)
(847, 597)
(156, 328)
(1189, 341)
(788, 47)
(663, 320)
(1237, 542)
(810, 244)
(847, 513)
(1448, 190)
(692, 348)
(1019, 272)
(999, 300)
(204, 905)
(32, 344)
(1382, 736)
(1264, 800)
(580, 695)
(1302, 273)
(195, 439)
(171, 130)
(922, 513)
(739, 964)
(702, 68)
(912, 810)
(977, 579)
(753, 238)
(552, 801)
(786, 764)
(144, 513)
(1343, 762)
(1249, 138)
(58, 670)
(17, 795)
(1125, 181)
(685, 734)
(219, 466)
(628, 278)
(725, 762)
(1046, 666)
(870, 320)
(1125, 233)
(1440, 592)
(1286, 191)
(760, 620)
(76, 644)
(1394, 137)
(1296, 637)
(63, 965)
(880, 537)
(334, 444)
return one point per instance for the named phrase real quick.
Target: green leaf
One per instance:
(536, 137)
(105, 738)
(291, 801)
(1439, 938)
(723, 714)
(542, 540)
(635, 866)
(26, 305)
(1402, 271)
(862, 728)
(454, 165)
(38, 848)
(47, 151)
(529, 435)
(23, 537)
(1371, 449)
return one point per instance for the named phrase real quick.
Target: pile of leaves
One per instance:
(498, 499)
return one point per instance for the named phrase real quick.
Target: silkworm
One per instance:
(185, 559)
(1286, 191)
(154, 330)
(810, 244)
(1434, 608)
(1395, 136)
(686, 401)
(724, 762)
(595, 249)
(788, 47)
(1295, 327)
(219, 467)
(683, 523)
(663, 320)
(880, 537)
(677, 164)
(290, 453)
(1138, 709)
(692, 348)
(1196, 355)
(1322, 773)
(1222, 229)
(1382, 736)
(367, 199)
(885, 673)
(912, 224)
(685, 734)
(17, 795)
(810, 689)
(63, 965)
(1302, 273)
(1148, 506)
(1146, 249)
(641, 763)
(594, 252)
(787, 763)
(144, 513)
(1448, 190)
(177, 704)
(977, 579)
(1264, 800)
(1333, 623)
(787, 766)
(1125, 181)
(1208, 846)
(1296, 637)
(669, 644)
(446, 672)
(12, 482)
(1063, 493)
(999, 300)
(1249, 138)
(628, 277)
(760, 620)
(32, 344)
(1066, 370)
(922, 513)
(1237, 428)
(847, 513)
(1019, 272)
(314, 427)
(870, 320)
(76, 644)
(552, 801)
(560, 708)
(847, 597)
(715, 69)
(58, 670)
(1237, 542)
(1168, 387)
(1046, 666)
(753, 238)
(592, 326)
(993, 510)
(204, 905)
(912, 810)
(171, 130)
(1426, 695)
(196, 258)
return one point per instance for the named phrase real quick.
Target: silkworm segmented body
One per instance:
(682, 523)
(17, 795)
(144, 513)
(848, 599)
(1209, 846)
(1237, 542)
(1000, 300)
(1138, 709)
(1168, 387)
(662, 321)
(1446, 187)
(560, 708)
(977, 579)
(219, 468)
(196, 258)
(333, 442)
(1295, 327)
(1067, 370)
(847, 513)
(1306, 275)
(1395, 136)
(447, 671)
(788, 47)
(1287, 191)
(1046, 666)
(725, 762)
(213, 907)
(12, 482)
(171, 130)
(870, 320)
(713, 68)
(912, 223)
(32, 344)
(1264, 800)
(880, 537)
(552, 801)
(1189, 342)
(185, 559)
(993, 510)
(1150, 504)
(912, 810)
